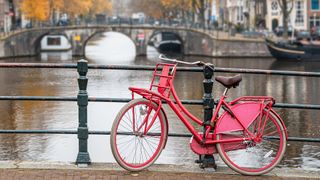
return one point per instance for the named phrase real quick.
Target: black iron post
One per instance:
(83, 157)
(208, 105)
(208, 101)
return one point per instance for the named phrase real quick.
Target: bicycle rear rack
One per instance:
(263, 99)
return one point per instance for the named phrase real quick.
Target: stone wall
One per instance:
(240, 48)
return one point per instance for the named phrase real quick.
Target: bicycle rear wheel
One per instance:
(259, 155)
(133, 148)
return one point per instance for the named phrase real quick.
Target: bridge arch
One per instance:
(37, 42)
(167, 41)
(90, 37)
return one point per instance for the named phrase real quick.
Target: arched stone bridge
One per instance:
(195, 42)
(27, 42)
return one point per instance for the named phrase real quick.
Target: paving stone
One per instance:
(157, 172)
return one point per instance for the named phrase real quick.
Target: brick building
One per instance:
(313, 13)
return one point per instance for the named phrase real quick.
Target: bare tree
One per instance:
(199, 8)
(286, 10)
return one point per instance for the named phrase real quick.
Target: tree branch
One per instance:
(292, 3)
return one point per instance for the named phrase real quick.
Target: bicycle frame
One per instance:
(166, 88)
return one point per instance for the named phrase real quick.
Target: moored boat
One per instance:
(167, 43)
(55, 43)
(299, 50)
(173, 46)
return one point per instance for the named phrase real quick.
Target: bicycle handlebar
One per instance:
(198, 63)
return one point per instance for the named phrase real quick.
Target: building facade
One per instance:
(267, 13)
(6, 15)
(248, 13)
(313, 13)
(220, 12)
(297, 19)
(235, 10)
(260, 13)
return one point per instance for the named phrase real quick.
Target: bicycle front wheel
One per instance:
(258, 155)
(138, 135)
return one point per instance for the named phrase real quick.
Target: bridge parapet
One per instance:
(195, 41)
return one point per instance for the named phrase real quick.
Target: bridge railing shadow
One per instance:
(82, 99)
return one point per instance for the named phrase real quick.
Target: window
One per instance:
(53, 41)
(299, 20)
(274, 6)
(240, 13)
(314, 21)
(315, 4)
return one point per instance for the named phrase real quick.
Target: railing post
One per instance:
(207, 160)
(208, 101)
(83, 158)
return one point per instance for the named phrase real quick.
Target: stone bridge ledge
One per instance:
(61, 170)
(195, 41)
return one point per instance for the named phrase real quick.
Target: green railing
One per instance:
(82, 99)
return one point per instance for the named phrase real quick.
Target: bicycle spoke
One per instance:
(126, 147)
(257, 155)
(127, 116)
(128, 123)
(141, 149)
(146, 153)
(128, 129)
(151, 146)
(146, 149)
(124, 142)
(271, 133)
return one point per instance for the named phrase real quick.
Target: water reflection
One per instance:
(56, 56)
(114, 83)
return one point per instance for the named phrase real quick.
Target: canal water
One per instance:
(111, 48)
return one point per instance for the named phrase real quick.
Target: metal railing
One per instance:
(82, 99)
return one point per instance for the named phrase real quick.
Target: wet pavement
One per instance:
(46, 170)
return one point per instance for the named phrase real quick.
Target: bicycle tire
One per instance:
(131, 157)
(255, 158)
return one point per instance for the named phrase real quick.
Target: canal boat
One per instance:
(169, 46)
(167, 43)
(298, 49)
(55, 43)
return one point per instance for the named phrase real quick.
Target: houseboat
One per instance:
(167, 43)
(298, 49)
(55, 43)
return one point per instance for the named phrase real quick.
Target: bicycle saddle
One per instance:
(229, 82)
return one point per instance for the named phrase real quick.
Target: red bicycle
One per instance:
(248, 134)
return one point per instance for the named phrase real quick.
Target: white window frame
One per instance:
(299, 21)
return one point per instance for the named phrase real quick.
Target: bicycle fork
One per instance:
(146, 124)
